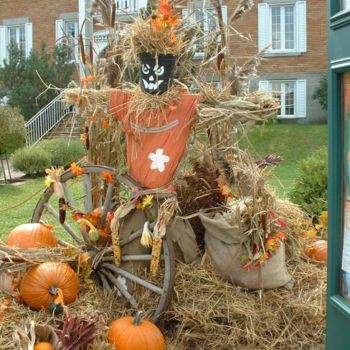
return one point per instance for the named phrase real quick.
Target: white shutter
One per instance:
(263, 85)
(3, 45)
(301, 25)
(29, 38)
(224, 13)
(142, 4)
(300, 100)
(59, 31)
(263, 26)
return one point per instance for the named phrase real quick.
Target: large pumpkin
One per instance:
(32, 236)
(129, 333)
(43, 284)
(317, 250)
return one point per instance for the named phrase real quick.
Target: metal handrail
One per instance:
(130, 5)
(46, 119)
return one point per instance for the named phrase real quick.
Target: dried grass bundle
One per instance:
(208, 313)
(142, 37)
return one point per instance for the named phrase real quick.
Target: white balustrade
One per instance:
(46, 119)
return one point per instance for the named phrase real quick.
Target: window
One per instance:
(291, 94)
(67, 32)
(282, 28)
(16, 32)
(205, 17)
(16, 36)
(345, 4)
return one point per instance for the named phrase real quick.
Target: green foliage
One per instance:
(12, 131)
(20, 82)
(57, 152)
(321, 93)
(310, 186)
(63, 153)
(31, 160)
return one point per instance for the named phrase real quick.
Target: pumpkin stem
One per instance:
(138, 317)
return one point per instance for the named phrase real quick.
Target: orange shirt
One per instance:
(156, 140)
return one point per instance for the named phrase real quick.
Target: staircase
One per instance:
(70, 127)
(48, 118)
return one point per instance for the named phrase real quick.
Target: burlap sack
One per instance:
(182, 235)
(225, 245)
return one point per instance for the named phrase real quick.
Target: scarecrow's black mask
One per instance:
(156, 72)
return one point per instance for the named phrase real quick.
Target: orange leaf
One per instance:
(107, 176)
(76, 169)
(105, 123)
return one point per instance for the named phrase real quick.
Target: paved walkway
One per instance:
(15, 174)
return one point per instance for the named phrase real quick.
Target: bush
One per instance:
(63, 153)
(12, 131)
(31, 160)
(310, 186)
(321, 93)
(57, 152)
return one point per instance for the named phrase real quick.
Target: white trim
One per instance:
(3, 45)
(28, 32)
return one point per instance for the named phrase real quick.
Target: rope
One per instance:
(23, 202)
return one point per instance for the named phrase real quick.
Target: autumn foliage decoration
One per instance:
(33, 235)
(48, 285)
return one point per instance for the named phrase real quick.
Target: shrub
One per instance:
(56, 152)
(63, 152)
(12, 131)
(321, 93)
(31, 160)
(310, 186)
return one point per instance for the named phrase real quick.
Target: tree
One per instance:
(20, 82)
(321, 93)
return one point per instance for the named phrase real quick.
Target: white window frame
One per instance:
(300, 96)
(346, 4)
(5, 38)
(207, 13)
(283, 28)
(265, 27)
(61, 32)
(283, 97)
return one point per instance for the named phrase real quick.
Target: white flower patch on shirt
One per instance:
(158, 160)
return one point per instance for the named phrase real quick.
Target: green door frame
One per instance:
(338, 309)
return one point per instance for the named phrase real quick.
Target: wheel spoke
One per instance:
(88, 207)
(66, 226)
(108, 200)
(68, 196)
(125, 258)
(105, 283)
(133, 278)
(121, 288)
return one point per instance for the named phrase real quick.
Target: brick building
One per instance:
(293, 34)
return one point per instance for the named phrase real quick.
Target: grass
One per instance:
(293, 142)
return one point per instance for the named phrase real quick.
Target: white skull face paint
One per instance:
(153, 82)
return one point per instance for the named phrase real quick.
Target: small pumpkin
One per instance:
(33, 235)
(317, 250)
(132, 333)
(43, 346)
(49, 285)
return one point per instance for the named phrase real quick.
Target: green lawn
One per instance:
(293, 142)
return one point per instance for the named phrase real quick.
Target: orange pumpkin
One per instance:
(44, 284)
(43, 346)
(317, 250)
(128, 333)
(32, 236)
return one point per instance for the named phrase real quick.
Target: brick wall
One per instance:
(314, 60)
(43, 15)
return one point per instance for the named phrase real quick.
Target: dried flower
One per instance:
(107, 176)
(76, 169)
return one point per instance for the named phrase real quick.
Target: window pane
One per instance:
(345, 4)
(275, 87)
(289, 27)
(276, 28)
(22, 40)
(289, 98)
(12, 36)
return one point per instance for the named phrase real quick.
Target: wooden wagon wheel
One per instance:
(130, 280)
